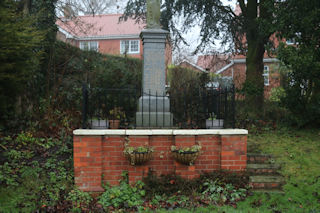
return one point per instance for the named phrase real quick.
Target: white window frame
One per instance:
(91, 45)
(290, 41)
(293, 41)
(266, 75)
(130, 49)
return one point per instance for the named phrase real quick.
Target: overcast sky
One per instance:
(193, 38)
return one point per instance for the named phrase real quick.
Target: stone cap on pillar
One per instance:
(154, 35)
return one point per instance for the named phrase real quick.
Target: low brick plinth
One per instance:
(99, 157)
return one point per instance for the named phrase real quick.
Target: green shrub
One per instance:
(123, 196)
(60, 96)
(186, 90)
(302, 60)
(35, 172)
(80, 200)
(277, 93)
(270, 117)
(222, 193)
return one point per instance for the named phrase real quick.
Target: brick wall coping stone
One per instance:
(99, 132)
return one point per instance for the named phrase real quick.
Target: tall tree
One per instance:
(302, 27)
(20, 54)
(249, 29)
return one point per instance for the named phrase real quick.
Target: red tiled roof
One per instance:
(100, 26)
(212, 62)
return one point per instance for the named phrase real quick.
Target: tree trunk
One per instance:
(254, 84)
(26, 7)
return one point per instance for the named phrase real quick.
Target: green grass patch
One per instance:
(298, 152)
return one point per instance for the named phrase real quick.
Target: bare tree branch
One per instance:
(88, 7)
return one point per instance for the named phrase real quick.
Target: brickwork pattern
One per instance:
(100, 159)
(239, 77)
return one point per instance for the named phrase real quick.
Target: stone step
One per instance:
(265, 186)
(266, 181)
(271, 191)
(259, 169)
(256, 158)
(264, 173)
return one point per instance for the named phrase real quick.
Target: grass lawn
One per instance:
(298, 151)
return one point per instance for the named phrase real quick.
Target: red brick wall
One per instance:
(62, 37)
(239, 76)
(100, 159)
(112, 46)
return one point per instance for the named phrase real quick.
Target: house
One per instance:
(234, 66)
(212, 63)
(236, 69)
(190, 65)
(105, 34)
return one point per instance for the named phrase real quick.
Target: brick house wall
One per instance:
(62, 37)
(238, 72)
(112, 46)
(188, 65)
(99, 157)
(213, 63)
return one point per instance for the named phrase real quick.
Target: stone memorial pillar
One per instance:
(154, 105)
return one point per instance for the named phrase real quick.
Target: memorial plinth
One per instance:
(153, 78)
(154, 105)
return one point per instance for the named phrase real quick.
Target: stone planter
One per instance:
(214, 124)
(99, 124)
(138, 158)
(186, 157)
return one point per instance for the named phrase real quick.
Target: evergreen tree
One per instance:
(20, 54)
(302, 27)
(28, 34)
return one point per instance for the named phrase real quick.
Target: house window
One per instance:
(89, 45)
(290, 41)
(266, 75)
(129, 46)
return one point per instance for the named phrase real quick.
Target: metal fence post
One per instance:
(233, 107)
(84, 105)
(135, 99)
(226, 114)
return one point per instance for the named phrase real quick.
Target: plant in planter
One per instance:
(97, 123)
(98, 119)
(186, 155)
(213, 123)
(115, 115)
(138, 155)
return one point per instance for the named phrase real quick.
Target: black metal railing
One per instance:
(210, 107)
(128, 108)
